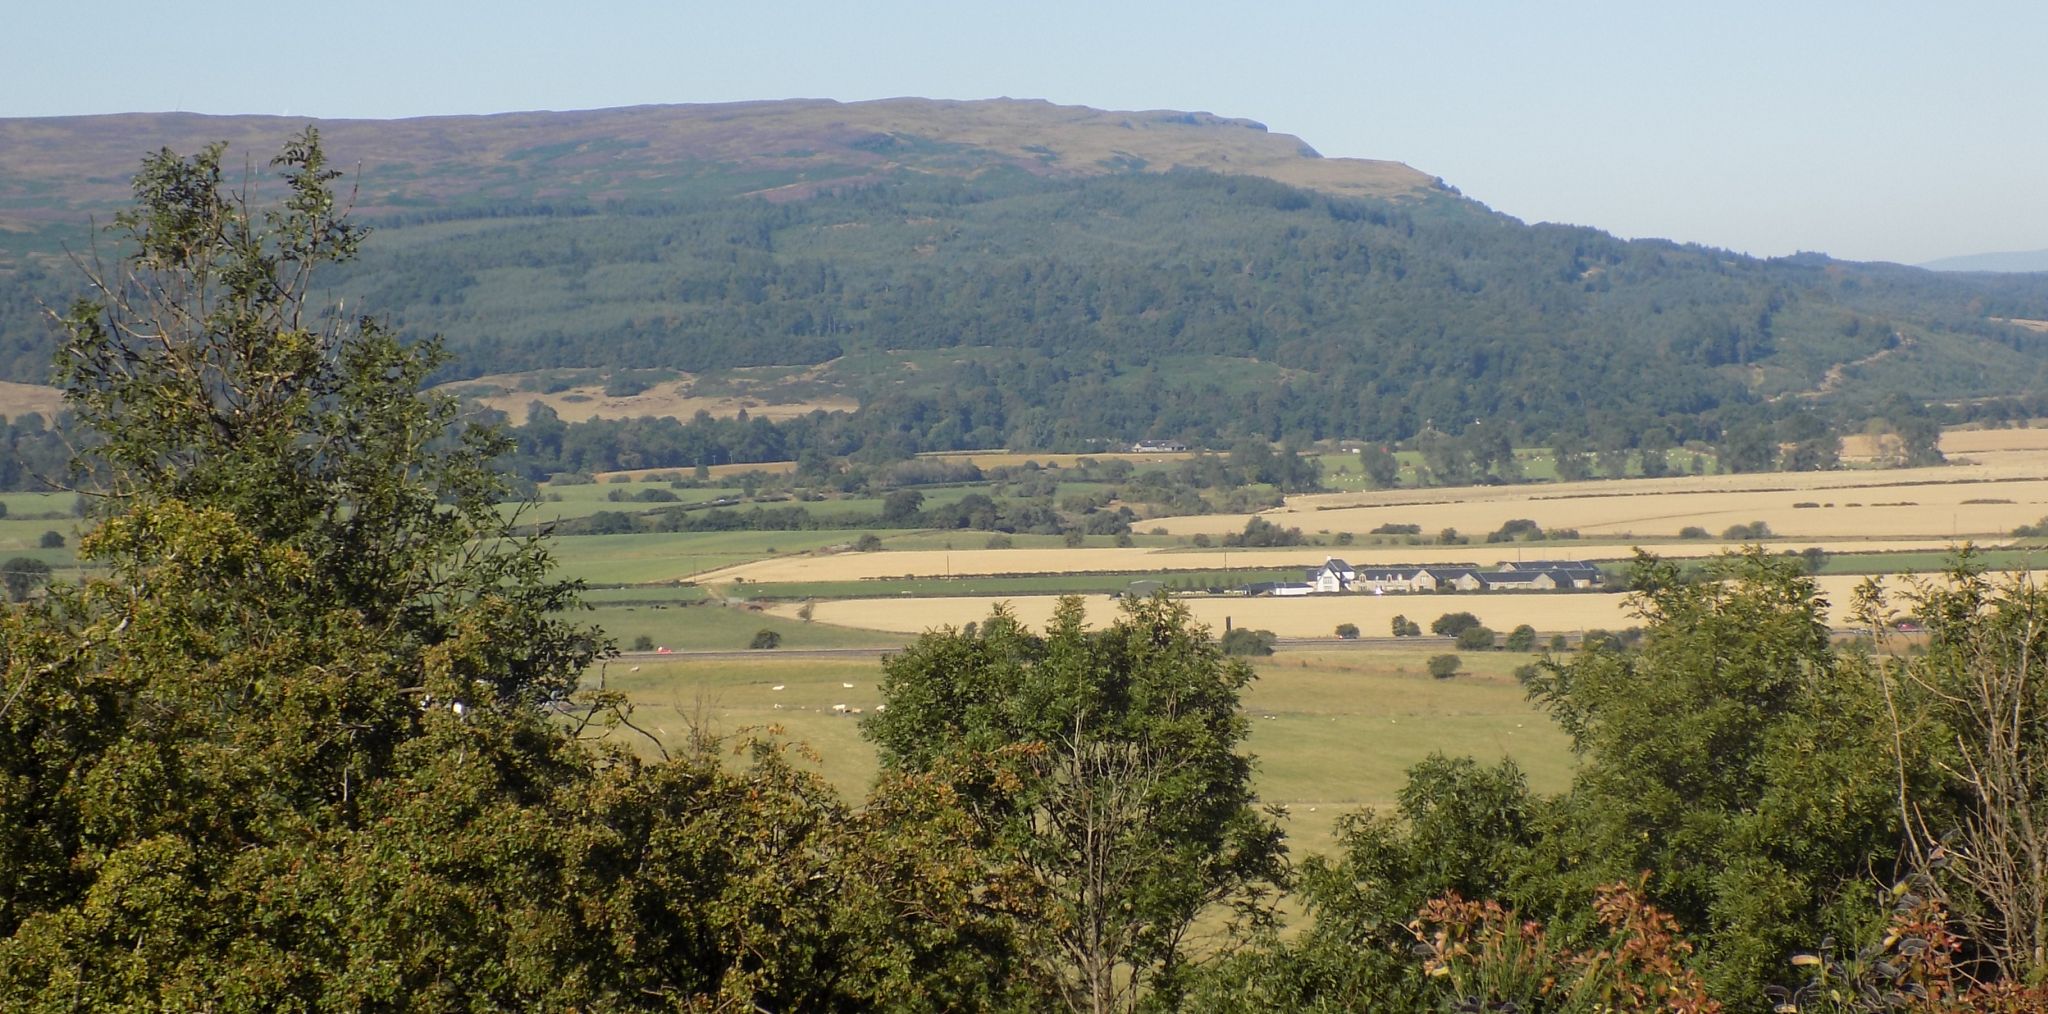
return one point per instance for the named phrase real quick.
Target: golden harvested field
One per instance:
(672, 399)
(21, 399)
(965, 562)
(1895, 503)
(1305, 616)
(1004, 459)
(1975, 442)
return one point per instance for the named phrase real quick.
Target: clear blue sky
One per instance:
(1870, 130)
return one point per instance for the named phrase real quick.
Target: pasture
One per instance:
(1332, 732)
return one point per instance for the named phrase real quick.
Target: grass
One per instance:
(584, 499)
(1332, 732)
(646, 558)
(718, 627)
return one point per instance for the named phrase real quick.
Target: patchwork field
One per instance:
(1139, 560)
(1306, 616)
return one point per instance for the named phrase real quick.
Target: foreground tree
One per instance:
(314, 741)
(1112, 774)
(1980, 688)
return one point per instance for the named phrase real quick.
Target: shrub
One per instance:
(51, 540)
(765, 639)
(999, 541)
(1693, 532)
(1747, 533)
(643, 643)
(1517, 529)
(1522, 638)
(1405, 627)
(1201, 540)
(1453, 624)
(1348, 631)
(868, 542)
(1444, 667)
(1245, 641)
(1476, 639)
(1394, 529)
(1559, 643)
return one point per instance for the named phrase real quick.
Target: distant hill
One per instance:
(2022, 260)
(1009, 272)
(55, 171)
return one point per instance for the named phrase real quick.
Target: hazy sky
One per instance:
(1869, 130)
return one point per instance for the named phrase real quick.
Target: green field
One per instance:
(580, 500)
(646, 558)
(719, 627)
(1332, 731)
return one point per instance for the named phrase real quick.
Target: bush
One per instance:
(1522, 638)
(1394, 529)
(1747, 533)
(1244, 641)
(1348, 631)
(999, 541)
(1444, 667)
(1453, 624)
(51, 540)
(1693, 532)
(1517, 529)
(765, 639)
(1405, 627)
(1201, 540)
(1476, 639)
(1075, 540)
(1559, 643)
(643, 643)
(868, 542)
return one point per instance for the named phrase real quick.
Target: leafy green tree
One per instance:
(315, 741)
(51, 540)
(765, 639)
(1735, 757)
(1382, 468)
(1444, 667)
(901, 505)
(1347, 631)
(1117, 781)
(1574, 464)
